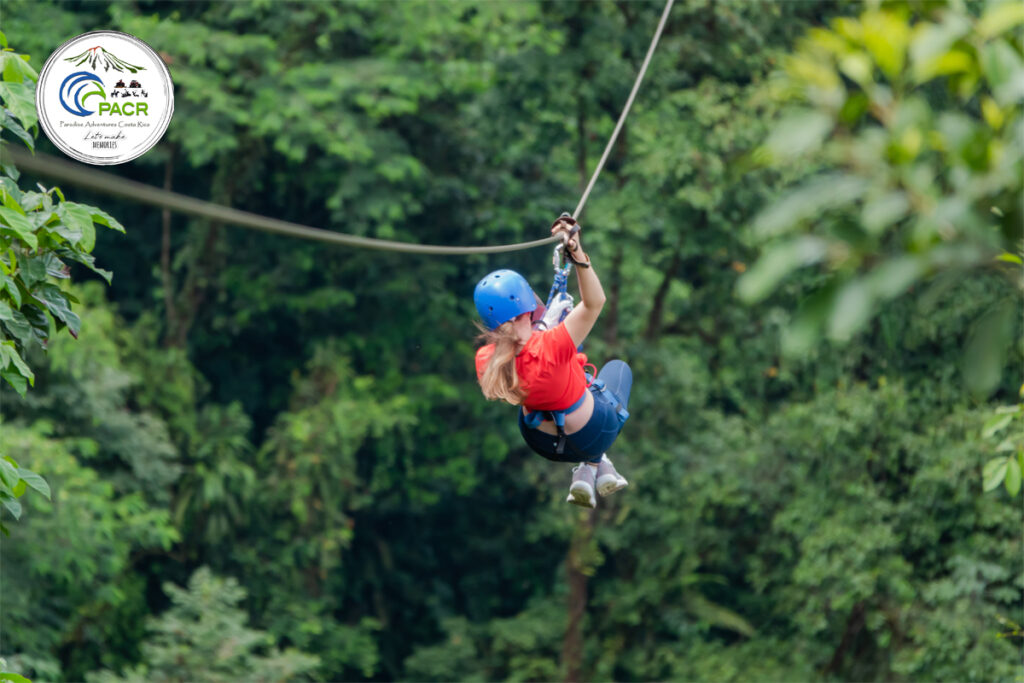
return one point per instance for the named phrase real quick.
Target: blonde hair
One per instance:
(499, 380)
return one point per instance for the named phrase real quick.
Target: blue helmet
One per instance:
(503, 295)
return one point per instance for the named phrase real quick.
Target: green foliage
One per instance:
(520, 648)
(915, 119)
(14, 481)
(65, 564)
(306, 419)
(37, 231)
(203, 637)
(10, 676)
(1005, 429)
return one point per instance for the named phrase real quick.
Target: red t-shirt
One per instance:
(548, 367)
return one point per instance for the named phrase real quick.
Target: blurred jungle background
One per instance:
(267, 459)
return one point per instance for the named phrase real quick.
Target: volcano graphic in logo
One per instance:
(85, 106)
(74, 100)
(98, 57)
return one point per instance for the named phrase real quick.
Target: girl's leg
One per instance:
(618, 378)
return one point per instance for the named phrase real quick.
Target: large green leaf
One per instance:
(850, 310)
(34, 481)
(19, 98)
(103, 218)
(994, 472)
(7, 284)
(57, 303)
(778, 262)
(999, 18)
(13, 506)
(996, 424)
(1013, 473)
(16, 323)
(79, 218)
(33, 270)
(20, 225)
(1004, 70)
(8, 473)
(809, 201)
(17, 381)
(987, 346)
(8, 122)
(9, 356)
(86, 260)
(15, 68)
(11, 677)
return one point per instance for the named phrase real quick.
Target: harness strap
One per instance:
(533, 418)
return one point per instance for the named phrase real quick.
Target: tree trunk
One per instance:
(194, 290)
(611, 326)
(658, 307)
(572, 646)
(165, 252)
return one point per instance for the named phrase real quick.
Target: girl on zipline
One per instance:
(563, 416)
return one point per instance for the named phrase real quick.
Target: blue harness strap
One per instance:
(533, 418)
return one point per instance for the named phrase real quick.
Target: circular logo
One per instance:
(104, 97)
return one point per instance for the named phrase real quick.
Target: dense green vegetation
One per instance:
(268, 459)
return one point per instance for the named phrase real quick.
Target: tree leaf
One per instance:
(881, 212)
(9, 354)
(13, 506)
(1004, 71)
(798, 133)
(7, 283)
(805, 329)
(58, 305)
(778, 262)
(11, 677)
(20, 225)
(15, 69)
(79, 217)
(103, 218)
(893, 277)
(8, 474)
(985, 353)
(8, 122)
(87, 260)
(16, 323)
(994, 472)
(16, 380)
(34, 481)
(19, 98)
(809, 200)
(1000, 18)
(717, 615)
(33, 271)
(850, 310)
(1012, 480)
(995, 424)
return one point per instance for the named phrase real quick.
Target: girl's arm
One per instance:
(581, 320)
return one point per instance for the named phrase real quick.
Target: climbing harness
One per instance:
(92, 179)
(596, 386)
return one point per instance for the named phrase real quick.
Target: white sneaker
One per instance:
(581, 492)
(608, 480)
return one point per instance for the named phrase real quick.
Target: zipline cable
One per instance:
(87, 177)
(625, 110)
(108, 183)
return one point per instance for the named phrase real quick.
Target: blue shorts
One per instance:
(603, 427)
